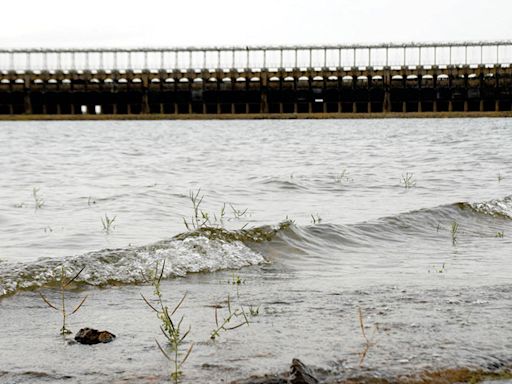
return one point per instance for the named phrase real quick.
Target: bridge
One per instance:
(258, 81)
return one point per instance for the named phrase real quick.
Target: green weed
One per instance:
(64, 282)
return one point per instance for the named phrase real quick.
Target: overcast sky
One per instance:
(101, 23)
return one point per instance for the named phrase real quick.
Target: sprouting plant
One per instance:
(441, 269)
(47, 229)
(232, 315)
(38, 201)
(238, 213)
(64, 283)
(368, 342)
(316, 219)
(170, 328)
(408, 180)
(500, 177)
(454, 232)
(254, 311)
(107, 223)
(500, 234)
(342, 177)
(438, 227)
(90, 201)
(236, 280)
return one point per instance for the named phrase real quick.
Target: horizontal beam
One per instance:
(264, 47)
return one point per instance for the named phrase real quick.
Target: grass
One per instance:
(368, 342)
(500, 234)
(107, 223)
(408, 180)
(454, 231)
(236, 316)
(316, 219)
(64, 282)
(170, 327)
(38, 200)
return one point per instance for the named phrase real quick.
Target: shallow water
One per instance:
(388, 250)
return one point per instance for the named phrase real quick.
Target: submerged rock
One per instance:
(93, 336)
(298, 374)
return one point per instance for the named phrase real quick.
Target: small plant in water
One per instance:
(342, 177)
(316, 219)
(64, 283)
(170, 327)
(368, 342)
(232, 316)
(500, 234)
(38, 201)
(454, 232)
(254, 311)
(408, 180)
(107, 223)
(500, 177)
(441, 269)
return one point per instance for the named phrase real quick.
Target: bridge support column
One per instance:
(340, 106)
(420, 83)
(386, 79)
(27, 103)
(404, 106)
(264, 93)
(497, 92)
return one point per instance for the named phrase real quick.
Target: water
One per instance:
(439, 300)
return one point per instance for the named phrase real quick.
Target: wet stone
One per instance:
(93, 336)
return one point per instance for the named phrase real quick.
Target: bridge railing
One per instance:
(258, 57)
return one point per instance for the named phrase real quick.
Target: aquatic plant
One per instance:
(500, 177)
(341, 177)
(500, 234)
(316, 219)
(64, 282)
(238, 213)
(441, 269)
(454, 232)
(408, 180)
(90, 201)
(254, 311)
(368, 342)
(107, 223)
(170, 327)
(232, 315)
(38, 201)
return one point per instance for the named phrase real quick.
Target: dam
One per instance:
(258, 81)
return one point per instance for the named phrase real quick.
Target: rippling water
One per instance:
(352, 236)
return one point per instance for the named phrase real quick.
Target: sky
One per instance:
(166, 23)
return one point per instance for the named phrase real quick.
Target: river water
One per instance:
(406, 222)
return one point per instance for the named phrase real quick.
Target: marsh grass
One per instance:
(38, 200)
(316, 219)
(454, 231)
(233, 319)
(171, 328)
(408, 180)
(342, 177)
(500, 234)
(368, 341)
(108, 223)
(64, 282)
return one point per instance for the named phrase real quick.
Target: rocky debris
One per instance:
(298, 374)
(93, 336)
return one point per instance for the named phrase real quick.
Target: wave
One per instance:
(211, 249)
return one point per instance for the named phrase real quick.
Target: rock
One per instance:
(93, 336)
(300, 374)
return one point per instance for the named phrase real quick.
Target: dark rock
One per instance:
(300, 374)
(93, 336)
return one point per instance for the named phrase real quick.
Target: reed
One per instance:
(368, 341)
(64, 282)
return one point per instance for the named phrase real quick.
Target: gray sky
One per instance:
(100, 23)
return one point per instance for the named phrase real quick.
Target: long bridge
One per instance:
(258, 81)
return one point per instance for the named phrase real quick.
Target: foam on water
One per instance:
(191, 255)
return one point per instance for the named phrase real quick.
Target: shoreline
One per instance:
(260, 116)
